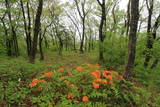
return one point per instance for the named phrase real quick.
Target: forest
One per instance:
(79, 53)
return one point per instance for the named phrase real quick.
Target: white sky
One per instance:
(123, 4)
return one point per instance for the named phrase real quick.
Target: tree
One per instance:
(27, 27)
(150, 5)
(154, 33)
(36, 32)
(13, 42)
(7, 40)
(128, 17)
(132, 38)
(101, 29)
(82, 13)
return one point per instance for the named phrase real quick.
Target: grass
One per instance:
(68, 60)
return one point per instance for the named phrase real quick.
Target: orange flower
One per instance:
(103, 81)
(93, 74)
(61, 70)
(85, 99)
(120, 77)
(111, 83)
(70, 96)
(79, 68)
(97, 80)
(95, 85)
(33, 84)
(71, 86)
(40, 87)
(109, 77)
(106, 73)
(96, 74)
(48, 74)
(42, 80)
(35, 80)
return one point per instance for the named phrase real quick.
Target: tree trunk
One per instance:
(128, 17)
(83, 36)
(41, 46)
(132, 38)
(149, 35)
(101, 33)
(29, 39)
(36, 32)
(25, 28)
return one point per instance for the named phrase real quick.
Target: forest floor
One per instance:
(13, 68)
(70, 60)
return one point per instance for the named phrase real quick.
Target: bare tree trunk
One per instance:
(132, 38)
(101, 28)
(82, 15)
(128, 17)
(29, 39)
(28, 42)
(41, 45)
(149, 35)
(36, 31)
(83, 35)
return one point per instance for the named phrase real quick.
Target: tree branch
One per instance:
(99, 3)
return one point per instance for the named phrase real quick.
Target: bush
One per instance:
(85, 85)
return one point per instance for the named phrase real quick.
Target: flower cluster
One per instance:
(35, 82)
(91, 75)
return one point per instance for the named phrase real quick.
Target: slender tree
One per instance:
(132, 38)
(36, 31)
(149, 46)
(101, 29)
(13, 41)
(128, 17)
(27, 27)
(82, 13)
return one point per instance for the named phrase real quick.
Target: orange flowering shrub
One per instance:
(95, 85)
(85, 99)
(35, 82)
(48, 74)
(70, 96)
(71, 86)
(74, 84)
(103, 81)
(109, 77)
(61, 70)
(96, 74)
(79, 68)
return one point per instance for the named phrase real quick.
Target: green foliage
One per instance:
(115, 50)
(14, 94)
(16, 80)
